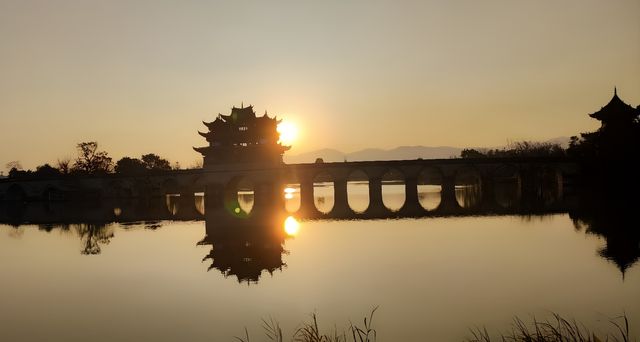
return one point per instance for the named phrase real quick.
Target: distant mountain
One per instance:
(562, 141)
(327, 154)
(398, 153)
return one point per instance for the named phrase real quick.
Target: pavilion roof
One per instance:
(615, 110)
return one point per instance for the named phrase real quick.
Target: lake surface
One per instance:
(432, 278)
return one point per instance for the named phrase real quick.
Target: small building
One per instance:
(616, 115)
(619, 134)
(242, 137)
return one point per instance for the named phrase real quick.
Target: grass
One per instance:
(558, 329)
(309, 331)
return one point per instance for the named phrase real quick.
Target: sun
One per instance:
(288, 133)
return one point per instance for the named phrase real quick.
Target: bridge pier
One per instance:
(448, 202)
(376, 207)
(214, 197)
(341, 202)
(307, 204)
(268, 198)
(487, 191)
(187, 206)
(411, 202)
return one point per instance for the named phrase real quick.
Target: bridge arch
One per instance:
(429, 185)
(52, 193)
(358, 190)
(551, 184)
(170, 186)
(292, 191)
(393, 188)
(468, 186)
(506, 185)
(16, 193)
(324, 191)
(239, 196)
(119, 188)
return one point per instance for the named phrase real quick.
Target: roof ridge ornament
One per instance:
(615, 91)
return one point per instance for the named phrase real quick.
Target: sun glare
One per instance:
(288, 132)
(291, 226)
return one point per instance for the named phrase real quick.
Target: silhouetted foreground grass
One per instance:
(557, 329)
(310, 332)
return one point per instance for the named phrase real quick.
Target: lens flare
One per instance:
(291, 226)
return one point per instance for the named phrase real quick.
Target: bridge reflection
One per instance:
(247, 244)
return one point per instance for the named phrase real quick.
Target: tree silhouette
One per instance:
(46, 170)
(154, 162)
(130, 166)
(90, 160)
(15, 164)
(64, 166)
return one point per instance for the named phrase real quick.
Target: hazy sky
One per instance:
(140, 76)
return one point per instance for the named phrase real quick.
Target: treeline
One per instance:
(518, 150)
(92, 161)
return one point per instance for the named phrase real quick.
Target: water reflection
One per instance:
(245, 248)
(615, 221)
(292, 197)
(468, 196)
(323, 193)
(430, 188)
(248, 248)
(93, 236)
(507, 193)
(430, 196)
(468, 188)
(393, 190)
(358, 191)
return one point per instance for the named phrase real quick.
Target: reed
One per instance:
(557, 329)
(309, 331)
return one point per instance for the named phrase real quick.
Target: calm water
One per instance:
(432, 278)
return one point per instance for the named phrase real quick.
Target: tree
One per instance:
(90, 160)
(64, 166)
(154, 162)
(13, 165)
(46, 170)
(471, 153)
(130, 166)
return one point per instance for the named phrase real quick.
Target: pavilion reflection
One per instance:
(248, 246)
(616, 222)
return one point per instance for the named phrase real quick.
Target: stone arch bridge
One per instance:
(531, 176)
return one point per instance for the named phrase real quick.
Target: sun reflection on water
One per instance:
(291, 226)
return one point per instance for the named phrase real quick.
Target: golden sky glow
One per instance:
(140, 76)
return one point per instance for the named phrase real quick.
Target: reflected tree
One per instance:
(93, 235)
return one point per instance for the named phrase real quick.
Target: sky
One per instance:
(140, 76)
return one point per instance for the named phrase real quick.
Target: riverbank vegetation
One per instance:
(90, 160)
(555, 329)
(310, 331)
(520, 149)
